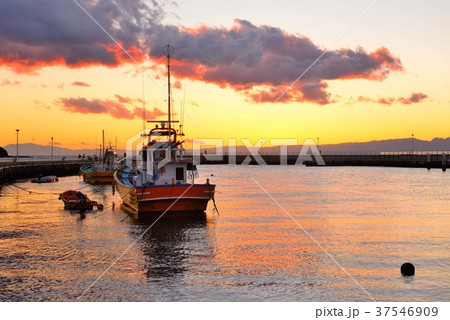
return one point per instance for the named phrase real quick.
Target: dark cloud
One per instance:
(114, 108)
(41, 33)
(82, 105)
(262, 62)
(412, 98)
(80, 84)
(257, 61)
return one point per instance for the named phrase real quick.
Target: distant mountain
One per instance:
(31, 149)
(437, 144)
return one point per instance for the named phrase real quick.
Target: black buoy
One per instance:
(407, 269)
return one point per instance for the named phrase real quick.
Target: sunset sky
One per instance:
(385, 76)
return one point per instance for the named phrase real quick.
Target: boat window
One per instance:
(179, 173)
(144, 154)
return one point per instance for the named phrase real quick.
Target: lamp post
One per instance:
(318, 144)
(412, 143)
(52, 147)
(17, 145)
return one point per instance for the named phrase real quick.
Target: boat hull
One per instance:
(170, 199)
(46, 179)
(98, 177)
(75, 200)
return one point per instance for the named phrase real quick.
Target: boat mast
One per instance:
(169, 93)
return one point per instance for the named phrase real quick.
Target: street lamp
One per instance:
(17, 144)
(52, 147)
(412, 143)
(318, 144)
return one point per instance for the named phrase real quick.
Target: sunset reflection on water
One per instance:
(370, 220)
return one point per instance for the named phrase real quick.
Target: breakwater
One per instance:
(10, 171)
(431, 161)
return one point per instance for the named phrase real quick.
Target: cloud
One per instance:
(7, 82)
(34, 34)
(123, 99)
(177, 85)
(113, 108)
(260, 62)
(41, 105)
(80, 84)
(412, 98)
(387, 101)
(149, 113)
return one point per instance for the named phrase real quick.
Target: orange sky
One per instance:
(74, 102)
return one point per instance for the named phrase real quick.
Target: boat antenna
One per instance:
(170, 51)
(183, 106)
(103, 147)
(143, 102)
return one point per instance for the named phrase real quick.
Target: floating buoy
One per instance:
(407, 269)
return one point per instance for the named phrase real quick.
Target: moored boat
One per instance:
(44, 179)
(76, 200)
(160, 179)
(100, 172)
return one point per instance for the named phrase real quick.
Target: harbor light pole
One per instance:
(17, 145)
(52, 147)
(412, 143)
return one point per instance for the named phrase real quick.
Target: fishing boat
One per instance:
(76, 200)
(160, 179)
(44, 179)
(100, 172)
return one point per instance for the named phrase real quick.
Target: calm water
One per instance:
(370, 220)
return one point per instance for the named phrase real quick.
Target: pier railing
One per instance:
(23, 168)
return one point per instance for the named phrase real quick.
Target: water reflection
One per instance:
(369, 219)
(168, 244)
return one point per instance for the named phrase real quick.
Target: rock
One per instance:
(3, 153)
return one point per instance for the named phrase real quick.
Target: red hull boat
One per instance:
(159, 178)
(76, 200)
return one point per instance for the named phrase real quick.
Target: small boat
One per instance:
(162, 178)
(100, 173)
(76, 200)
(45, 179)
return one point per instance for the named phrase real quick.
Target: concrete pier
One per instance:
(436, 161)
(24, 169)
(424, 160)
